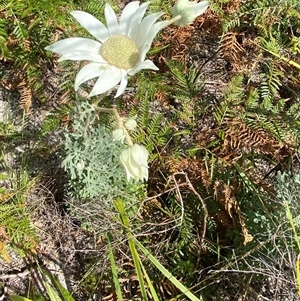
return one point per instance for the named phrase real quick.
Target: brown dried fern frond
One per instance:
(12, 42)
(210, 22)
(25, 96)
(232, 6)
(224, 195)
(231, 49)
(195, 169)
(18, 82)
(179, 40)
(163, 99)
(240, 138)
(27, 45)
(12, 81)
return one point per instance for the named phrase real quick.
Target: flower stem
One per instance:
(119, 121)
(121, 126)
(105, 110)
(173, 20)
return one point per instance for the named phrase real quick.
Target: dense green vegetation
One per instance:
(218, 218)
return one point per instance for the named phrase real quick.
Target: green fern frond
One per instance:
(153, 129)
(4, 51)
(154, 135)
(217, 6)
(235, 90)
(270, 84)
(233, 97)
(178, 72)
(186, 80)
(144, 111)
(18, 227)
(20, 31)
(252, 100)
(3, 5)
(271, 126)
(293, 12)
(231, 24)
(271, 44)
(160, 5)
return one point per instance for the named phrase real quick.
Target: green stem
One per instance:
(105, 110)
(100, 97)
(87, 124)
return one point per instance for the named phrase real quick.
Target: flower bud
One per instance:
(134, 159)
(188, 10)
(130, 124)
(80, 165)
(118, 135)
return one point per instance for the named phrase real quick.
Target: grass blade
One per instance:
(131, 242)
(114, 269)
(167, 274)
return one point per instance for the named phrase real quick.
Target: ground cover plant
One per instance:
(168, 171)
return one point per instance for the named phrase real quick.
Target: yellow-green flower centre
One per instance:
(120, 51)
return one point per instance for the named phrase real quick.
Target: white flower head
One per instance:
(135, 161)
(118, 135)
(188, 10)
(119, 51)
(131, 123)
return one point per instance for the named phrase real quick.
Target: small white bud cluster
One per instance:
(135, 157)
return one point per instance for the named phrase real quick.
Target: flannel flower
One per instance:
(188, 11)
(135, 161)
(119, 51)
